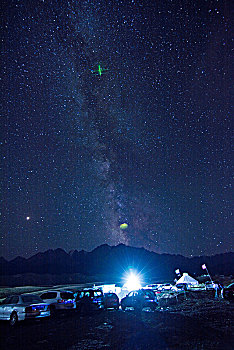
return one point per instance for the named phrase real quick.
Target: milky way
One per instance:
(145, 140)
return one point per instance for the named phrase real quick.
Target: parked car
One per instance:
(89, 300)
(180, 287)
(59, 300)
(111, 301)
(228, 292)
(165, 286)
(139, 299)
(23, 307)
(154, 286)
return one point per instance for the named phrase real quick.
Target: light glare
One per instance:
(133, 282)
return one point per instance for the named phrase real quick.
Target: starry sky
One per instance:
(145, 141)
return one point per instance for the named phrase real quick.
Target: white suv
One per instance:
(59, 300)
(165, 286)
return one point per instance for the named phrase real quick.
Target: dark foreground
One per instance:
(202, 324)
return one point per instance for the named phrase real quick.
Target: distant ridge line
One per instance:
(111, 262)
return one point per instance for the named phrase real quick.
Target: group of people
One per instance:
(218, 287)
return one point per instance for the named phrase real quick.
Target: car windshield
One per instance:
(31, 299)
(67, 295)
(6, 301)
(150, 294)
(110, 295)
(49, 295)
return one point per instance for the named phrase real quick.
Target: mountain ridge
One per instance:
(114, 261)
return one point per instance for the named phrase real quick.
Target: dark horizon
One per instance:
(107, 263)
(104, 244)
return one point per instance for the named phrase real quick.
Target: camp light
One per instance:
(132, 281)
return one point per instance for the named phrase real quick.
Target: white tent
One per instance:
(187, 279)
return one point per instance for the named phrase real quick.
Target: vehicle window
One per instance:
(14, 299)
(110, 295)
(31, 298)
(151, 294)
(130, 294)
(49, 295)
(67, 296)
(10, 300)
(97, 293)
(82, 294)
(7, 300)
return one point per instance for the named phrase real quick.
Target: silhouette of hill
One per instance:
(112, 262)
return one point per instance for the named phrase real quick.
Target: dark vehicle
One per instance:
(228, 292)
(89, 300)
(111, 301)
(139, 299)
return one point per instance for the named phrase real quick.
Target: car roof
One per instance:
(89, 289)
(29, 294)
(57, 291)
(147, 289)
(20, 295)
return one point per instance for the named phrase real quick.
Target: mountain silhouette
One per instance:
(112, 262)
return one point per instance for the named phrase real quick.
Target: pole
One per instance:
(209, 275)
(205, 268)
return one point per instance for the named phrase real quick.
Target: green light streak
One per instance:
(100, 70)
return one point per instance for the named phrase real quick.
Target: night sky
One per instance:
(145, 141)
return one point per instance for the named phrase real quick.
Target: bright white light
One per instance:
(133, 282)
(28, 218)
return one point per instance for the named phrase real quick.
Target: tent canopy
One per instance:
(187, 279)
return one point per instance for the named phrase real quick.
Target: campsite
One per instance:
(195, 319)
